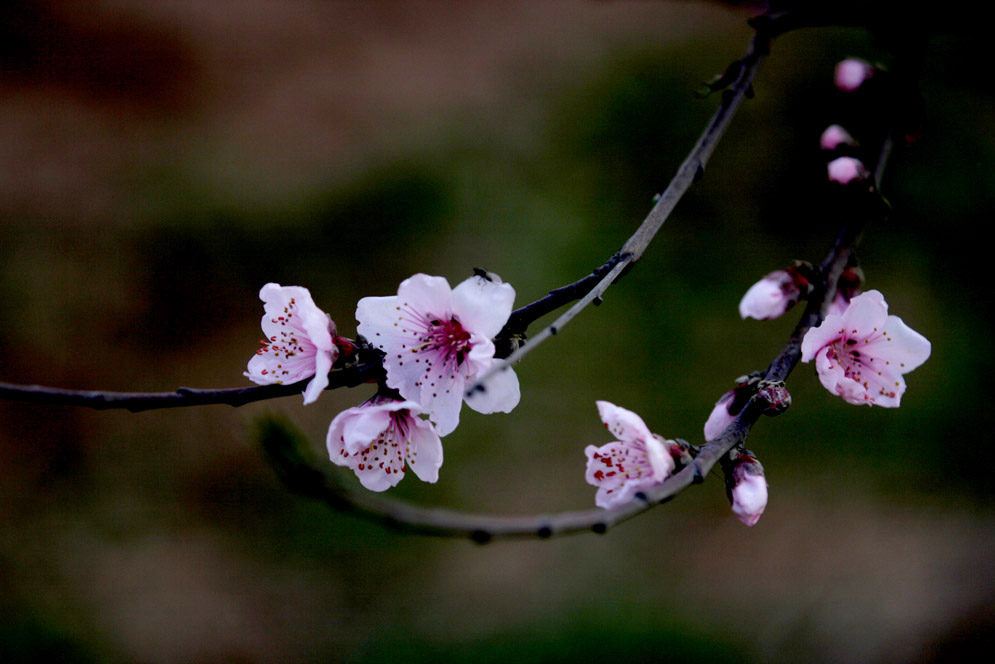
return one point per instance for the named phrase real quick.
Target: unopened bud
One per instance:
(746, 486)
(835, 136)
(851, 73)
(845, 170)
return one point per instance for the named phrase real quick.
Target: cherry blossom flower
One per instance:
(845, 170)
(298, 341)
(435, 339)
(835, 136)
(851, 73)
(746, 488)
(862, 354)
(377, 439)
(638, 460)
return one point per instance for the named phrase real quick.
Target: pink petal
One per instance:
(624, 424)
(483, 306)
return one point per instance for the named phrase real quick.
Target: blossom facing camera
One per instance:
(845, 170)
(834, 136)
(298, 341)
(862, 354)
(636, 461)
(851, 73)
(747, 489)
(435, 339)
(383, 437)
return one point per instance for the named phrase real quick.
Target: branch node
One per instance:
(480, 537)
(599, 528)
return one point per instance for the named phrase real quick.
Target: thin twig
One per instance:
(483, 528)
(688, 173)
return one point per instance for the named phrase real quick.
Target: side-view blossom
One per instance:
(862, 354)
(775, 294)
(381, 438)
(845, 170)
(298, 341)
(851, 73)
(638, 460)
(834, 136)
(435, 339)
(746, 488)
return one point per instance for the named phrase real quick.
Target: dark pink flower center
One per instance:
(449, 338)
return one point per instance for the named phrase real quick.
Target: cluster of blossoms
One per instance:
(434, 339)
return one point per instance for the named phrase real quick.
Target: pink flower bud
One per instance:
(773, 295)
(851, 73)
(847, 169)
(749, 492)
(835, 136)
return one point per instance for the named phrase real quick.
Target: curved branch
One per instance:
(304, 478)
(689, 172)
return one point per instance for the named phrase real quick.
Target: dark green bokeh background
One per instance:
(159, 162)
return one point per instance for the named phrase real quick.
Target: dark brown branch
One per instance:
(183, 396)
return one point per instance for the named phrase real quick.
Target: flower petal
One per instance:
(624, 424)
(483, 306)
(424, 451)
(500, 395)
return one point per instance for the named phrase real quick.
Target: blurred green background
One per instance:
(159, 162)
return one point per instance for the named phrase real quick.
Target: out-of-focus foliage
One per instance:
(159, 162)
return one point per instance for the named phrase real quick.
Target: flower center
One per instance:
(449, 338)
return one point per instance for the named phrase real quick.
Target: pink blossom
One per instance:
(749, 492)
(861, 354)
(845, 170)
(379, 437)
(771, 296)
(835, 136)
(851, 73)
(638, 460)
(298, 341)
(435, 339)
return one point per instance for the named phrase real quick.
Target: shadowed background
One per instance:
(159, 162)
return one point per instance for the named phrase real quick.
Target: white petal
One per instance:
(483, 306)
(323, 364)
(425, 453)
(660, 460)
(500, 394)
(442, 399)
(429, 296)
